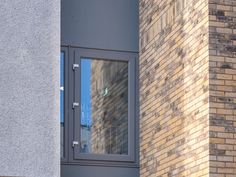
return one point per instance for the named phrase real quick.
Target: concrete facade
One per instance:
(29, 88)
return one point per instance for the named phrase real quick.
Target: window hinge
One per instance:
(75, 105)
(75, 66)
(75, 143)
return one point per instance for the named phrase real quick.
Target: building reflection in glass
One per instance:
(104, 106)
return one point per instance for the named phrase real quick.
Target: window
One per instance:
(104, 107)
(63, 100)
(101, 113)
(62, 120)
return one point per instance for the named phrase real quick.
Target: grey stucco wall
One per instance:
(29, 88)
(102, 24)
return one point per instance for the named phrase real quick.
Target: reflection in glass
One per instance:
(104, 106)
(62, 60)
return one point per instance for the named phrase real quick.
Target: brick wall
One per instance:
(222, 70)
(188, 88)
(174, 88)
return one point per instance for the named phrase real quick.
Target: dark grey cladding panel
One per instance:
(104, 24)
(95, 171)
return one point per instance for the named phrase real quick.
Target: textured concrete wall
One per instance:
(174, 88)
(222, 88)
(29, 88)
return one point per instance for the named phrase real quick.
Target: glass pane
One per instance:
(104, 106)
(62, 60)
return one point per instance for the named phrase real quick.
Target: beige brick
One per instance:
(225, 158)
(230, 71)
(225, 146)
(231, 141)
(226, 170)
(217, 140)
(217, 164)
(224, 30)
(230, 60)
(224, 111)
(224, 8)
(224, 76)
(228, 164)
(225, 135)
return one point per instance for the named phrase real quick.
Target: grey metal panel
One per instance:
(103, 24)
(95, 171)
(29, 88)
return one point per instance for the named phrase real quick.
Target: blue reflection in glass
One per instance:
(86, 93)
(62, 61)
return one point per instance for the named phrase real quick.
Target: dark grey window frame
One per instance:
(72, 117)
(66, 83)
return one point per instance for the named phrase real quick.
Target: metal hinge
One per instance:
(75, 143)
(75, 66)
(75, 105)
